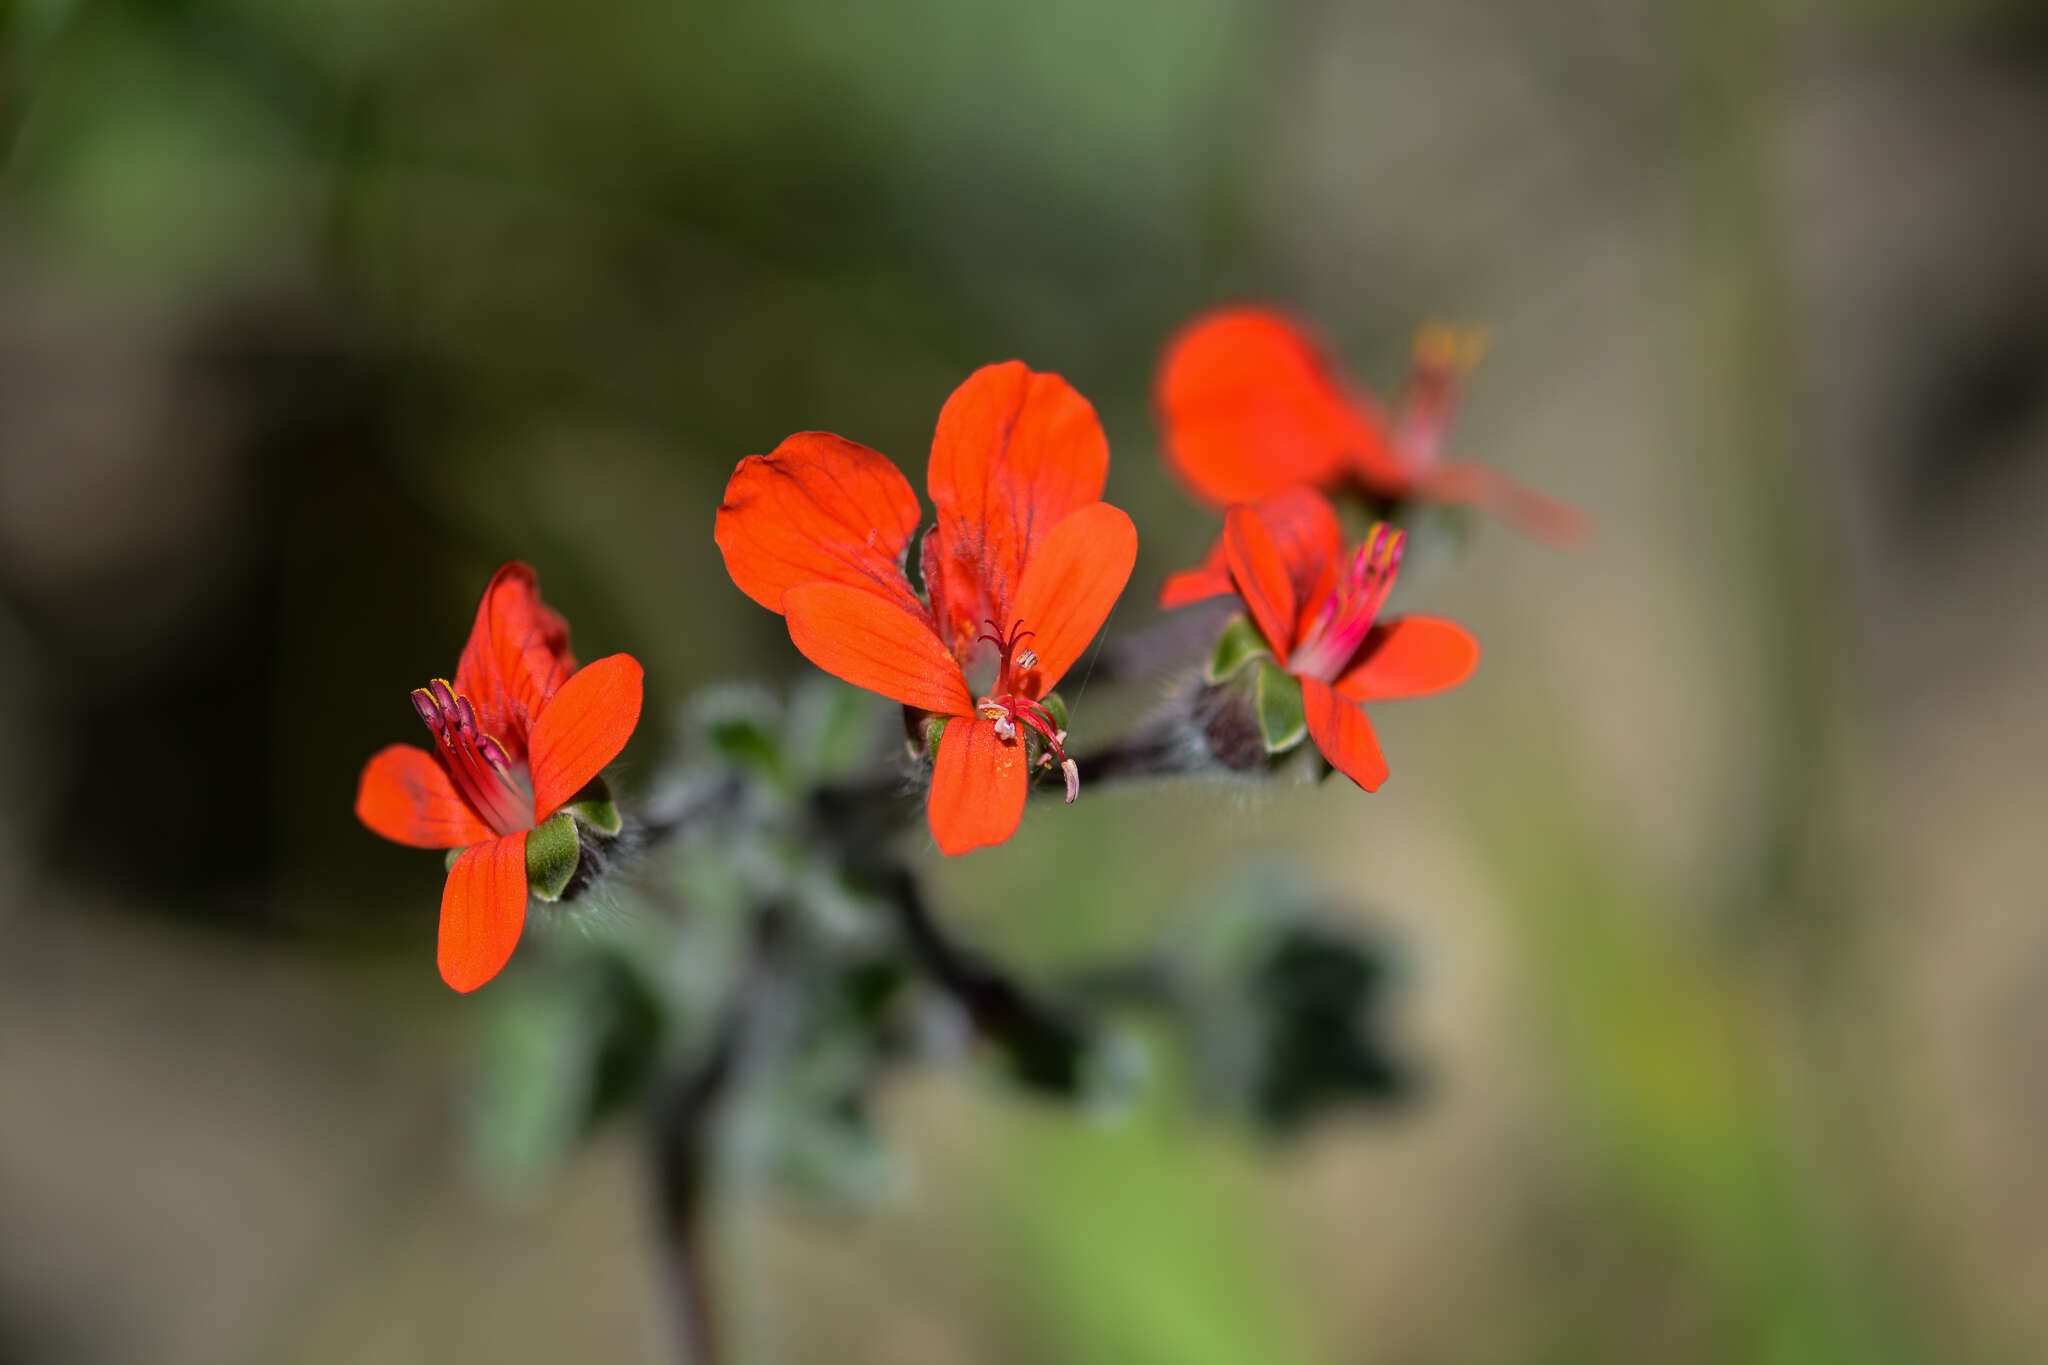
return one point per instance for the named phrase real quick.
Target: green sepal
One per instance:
(1283, 721)
(1239, 643)
(933, 728)
(593, 807)
(453, 854)
(1057, 706)
(552, 852)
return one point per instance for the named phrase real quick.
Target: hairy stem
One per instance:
(1164, 646)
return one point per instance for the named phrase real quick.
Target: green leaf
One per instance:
(531, 1094)
(593, 808)
(1283, 721)
(1238, 645)
(746, 743)
(552, 852)
(743, 727)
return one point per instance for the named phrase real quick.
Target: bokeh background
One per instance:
(1720, 888)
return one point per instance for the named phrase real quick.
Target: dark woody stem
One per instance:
(1047, 1043)
(685, 1125)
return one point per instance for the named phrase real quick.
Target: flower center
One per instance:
(1011, 703)
(496, 786)
(1348, 613)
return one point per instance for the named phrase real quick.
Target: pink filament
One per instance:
(497, 788)
(1348, 613)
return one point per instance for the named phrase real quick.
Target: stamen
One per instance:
(1011, 709)
(1349, 612)
(1441, 358)
(496, 786)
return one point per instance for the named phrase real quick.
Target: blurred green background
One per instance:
(1721, 886)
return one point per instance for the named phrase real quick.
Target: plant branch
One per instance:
(1165, 645)
(685, 1118)
(1047, 1044)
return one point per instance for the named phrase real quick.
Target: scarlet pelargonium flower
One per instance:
(1020, 572)
(1316, 610)
(518, 736)
(1251, 406)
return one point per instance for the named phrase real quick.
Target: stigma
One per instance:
(496, 785)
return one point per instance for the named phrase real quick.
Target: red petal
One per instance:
(583, 729)
(1261, 576)
(517, 655)
(873, 643)
(818, 509)
(1016, 453)
(1309, 537)
(1411, 657)
(1210, 578)
(1251, 407)
(977, 787)
(932, 567)
(1545, 518)
(483, 910)
(1311, 540)
(1341, 730)
(405, 795)
(1073, 580)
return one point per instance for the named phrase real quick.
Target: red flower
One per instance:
(1024, 551)
(1318, 611)
(519, 732)
(1251, 405)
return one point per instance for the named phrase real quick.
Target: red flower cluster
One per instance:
(1019, 572)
